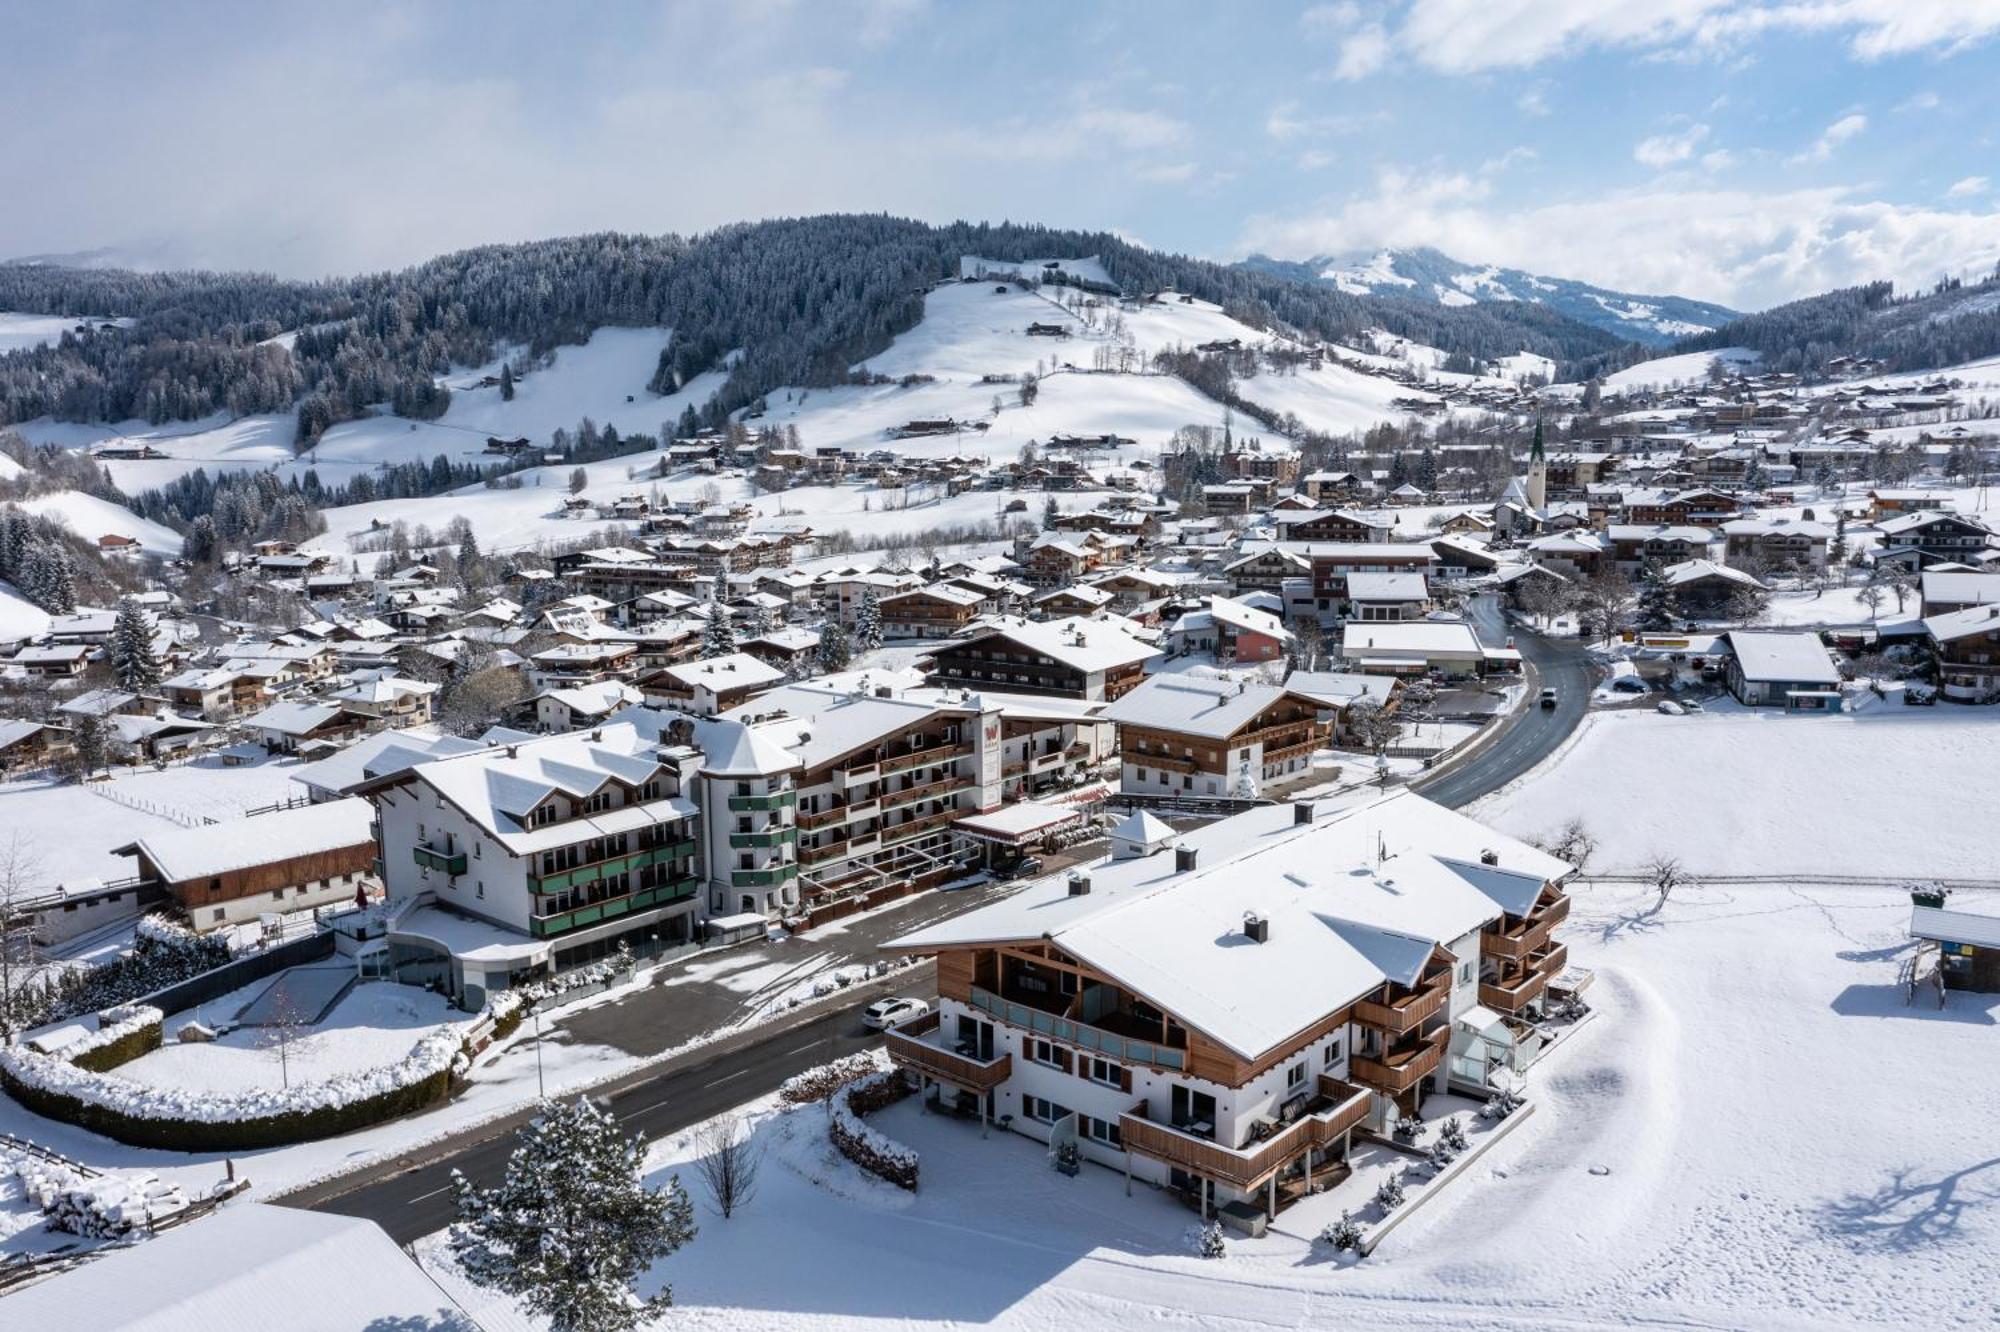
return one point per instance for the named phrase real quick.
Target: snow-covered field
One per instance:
(1882, 790)
(71, 829)
(23, 332)
(19, 617)
(92, 518)
(371, 1026)
(1667, 371)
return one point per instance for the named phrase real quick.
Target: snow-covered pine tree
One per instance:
(868, 622)
(507, 383)
(718, 636)
(573, 1224)
(1659, 605)
(133, 660)
(833, 652)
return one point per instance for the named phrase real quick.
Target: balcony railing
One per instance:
(769, 837)
(920, 1045)
(902, 832)
(621, 864)
(1337, 1109)
(819, 818)
(1079, 1034)
(1400, 1070)
(1407, 1013)
(897, 799)
(562, 922)
(769, 877)
(448, 862)
(1516, 992)
(934, 754)
(1511, 945)
(860, 775)
(762, 804)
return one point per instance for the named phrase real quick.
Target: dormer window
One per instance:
(544, 815)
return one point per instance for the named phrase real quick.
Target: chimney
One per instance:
(1079, 884)
(513, 751)
(1302, 812)
(1186, 858)
(1489, 857)
(883, 691)
(1256, 928)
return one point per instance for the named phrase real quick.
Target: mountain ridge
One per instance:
(1424, 275)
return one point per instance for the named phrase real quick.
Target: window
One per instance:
(1044, 1052)
(1331, 1055)
(1465, 973)
(216, 914)
(1295, 1076)
(1100, 1130)
(1104, 1071)
(1045, 1111)
(479, 888)
(475, 849)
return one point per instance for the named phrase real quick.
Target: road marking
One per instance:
(727, 1077)
(432, 1194)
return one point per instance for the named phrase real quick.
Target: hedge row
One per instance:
(187, 1135)
(877, 1153)
(140, 1038)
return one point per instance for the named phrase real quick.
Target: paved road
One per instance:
(412, 1197)
(1529, 735)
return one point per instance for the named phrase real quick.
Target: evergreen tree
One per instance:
(578, 479)
(868, 622)
(506, 383)
(133, 660)
(90, 746)
(833, 652)
(573, 1224)
(1659, 607)
(718, 636)
(51, 578)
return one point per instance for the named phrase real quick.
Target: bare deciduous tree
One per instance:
(1667, 874)
(729, 1160)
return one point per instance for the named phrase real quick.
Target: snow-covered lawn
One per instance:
(23, 332)
(372, 1025)
(70, 829)
(1882, 790)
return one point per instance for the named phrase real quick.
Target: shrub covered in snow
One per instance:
(1207, 1240)
(1451, 1133)
(1389, 1193)
(63, 1087)
(1411, 1129)
(1344, 1234)
(877, 1153)
(1439, 1157)
(1502, 1104)
(123, 1034)
(164, 953)
(823, 1080)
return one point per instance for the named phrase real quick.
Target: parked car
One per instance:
(893, 1012)
(1549, 698)
(1629, 684)
(1027, 867)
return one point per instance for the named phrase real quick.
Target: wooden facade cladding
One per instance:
(915, 1046)
(1397, 1071)
(1512, 941)
(265, 878)
(1337, 1109)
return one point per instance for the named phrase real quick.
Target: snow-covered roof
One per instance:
(1081, 644)
(1955, 585)
(1386, 587)
(1191, 705)
(821, 723)
(1797, 658)
(734, 670)
(1418, 636)
(293, 718)
(1356, 897)
(330, 1271)
(1338, 688)
(186, 854)
(1963, 623)
(1694, 571)
(1022, 819)
(1954, 926)
(378, 755)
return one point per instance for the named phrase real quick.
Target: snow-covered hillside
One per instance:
(1668, 371)
(1424, 274)
(604, 379)
(92, 518)
(21, 332)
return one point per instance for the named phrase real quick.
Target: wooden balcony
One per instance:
(1399, 1070)
(1516, 992)
(934, 754)
(1397, 1016)
(1553, 960)
(820, 818)
(1530, 935)
(1333, 1112)
(904, 831)
(921, 1046)
(896, 799)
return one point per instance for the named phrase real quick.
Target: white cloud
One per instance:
(1533, 102)
(1287, 122)
(1923, 101)
(1745, 248)
(1839, 132)
(1135, 131)
(1966, 188)
(1316, 159)
(1167, 173)
(1669, 149)
(1468, 36)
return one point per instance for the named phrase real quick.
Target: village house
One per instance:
(1967, 645)
(1074, 599)
(1777, 543)
(710, 685)
(1417, 647)
(1931, 537)
(1095, 660)
(579, 706)
(1218, 1012)
(1196, 738)
(938, 610)
(1704, 589)
(1776, 669)
(1946, 589)
(1635, 545)
(1231, 631)
(232, 872)
(293, 727)
(1387, 596)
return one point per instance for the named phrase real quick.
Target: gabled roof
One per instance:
(185, 854)
(1190, 705)
(1967, 623)
(1080, 644)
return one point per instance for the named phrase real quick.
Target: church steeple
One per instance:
(1538, 472)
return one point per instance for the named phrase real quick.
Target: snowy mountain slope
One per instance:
(1424, 274)
(91, 518)
(22, 332)
(1690, 368)
(595, 380)
(19, 617)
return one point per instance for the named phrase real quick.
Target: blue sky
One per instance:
(1724, 149)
